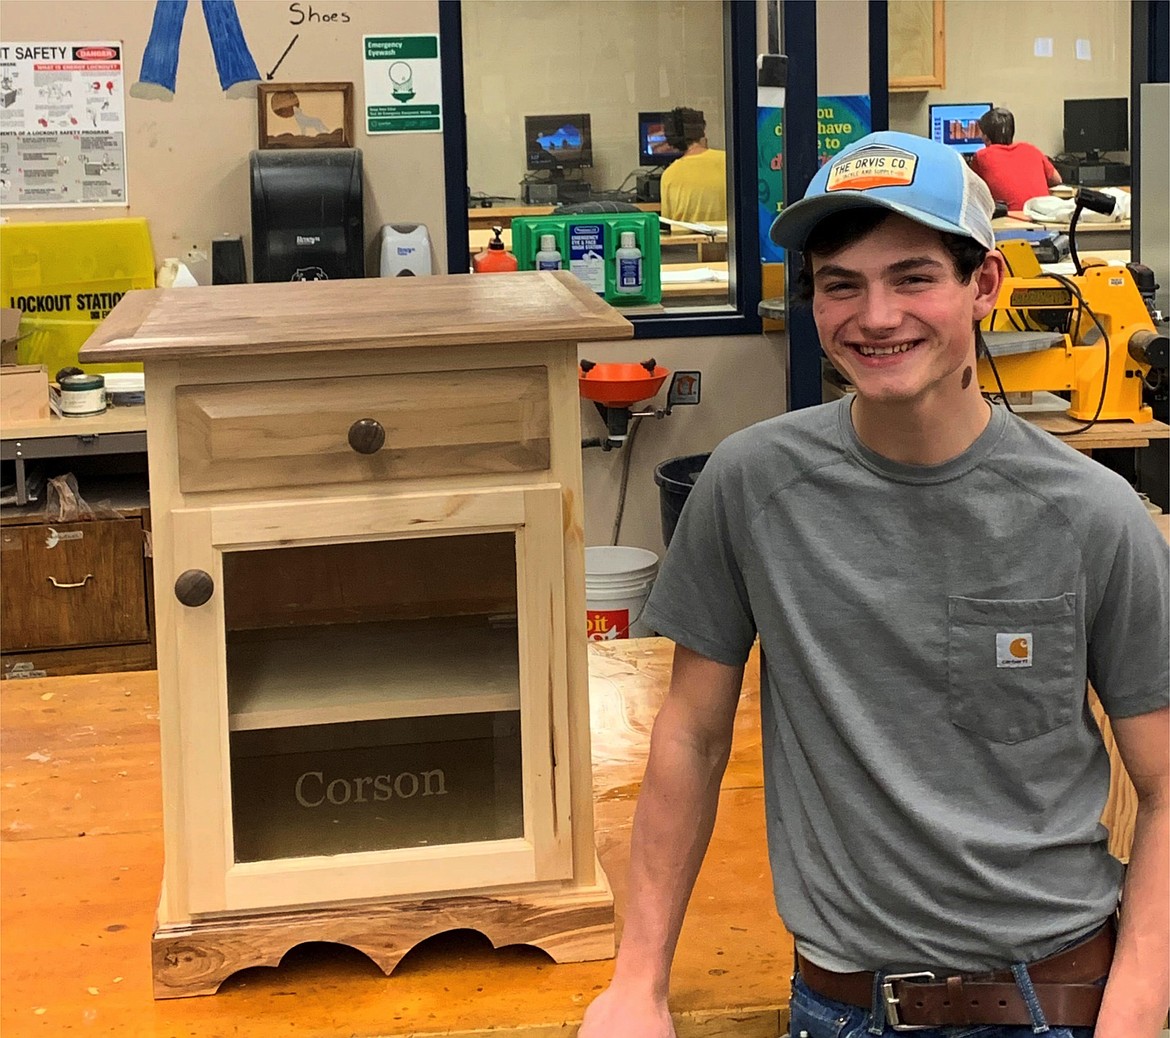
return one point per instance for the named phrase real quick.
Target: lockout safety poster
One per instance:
(62, 124)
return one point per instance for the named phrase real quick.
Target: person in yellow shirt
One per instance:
(694, 186)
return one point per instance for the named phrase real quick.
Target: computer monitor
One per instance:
(1096, 124)
(957, 125)
(558, 141)
(653, 147)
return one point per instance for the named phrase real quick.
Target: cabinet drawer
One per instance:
(73, 584)
(296, 432)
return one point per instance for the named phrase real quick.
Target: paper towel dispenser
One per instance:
(307, 214)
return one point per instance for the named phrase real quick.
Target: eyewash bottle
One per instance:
(629, 265)
(548, 258)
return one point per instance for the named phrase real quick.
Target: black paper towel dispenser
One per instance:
(307, 214)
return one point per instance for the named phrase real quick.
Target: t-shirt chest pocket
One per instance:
(1010, 665)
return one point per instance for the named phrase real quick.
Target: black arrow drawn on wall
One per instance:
(283, 56)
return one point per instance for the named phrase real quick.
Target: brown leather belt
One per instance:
(1064, 985)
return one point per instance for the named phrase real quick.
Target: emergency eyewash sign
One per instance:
(404, 89)
(62, 124)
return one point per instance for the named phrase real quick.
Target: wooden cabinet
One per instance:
(370, 581)
(74, 584)
(917, 45)
(75, 592)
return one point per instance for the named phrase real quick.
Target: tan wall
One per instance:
(989, 57)
(188, 175)
(515, 58)
(744, 381)
(187, 160)
(842, 47)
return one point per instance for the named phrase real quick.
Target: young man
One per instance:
(694, 186)
(933, 581)
(1014, 171)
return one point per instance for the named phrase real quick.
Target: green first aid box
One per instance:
(588, 243)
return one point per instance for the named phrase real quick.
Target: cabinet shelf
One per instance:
(291, 676)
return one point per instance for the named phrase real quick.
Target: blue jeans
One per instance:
(823, 1018)
(233, 60)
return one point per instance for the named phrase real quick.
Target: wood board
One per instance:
(336, 316)
(362, 672)
(81, 813)
(80, 843)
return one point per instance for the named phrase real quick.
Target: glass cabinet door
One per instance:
(373, 695)
(383, 698)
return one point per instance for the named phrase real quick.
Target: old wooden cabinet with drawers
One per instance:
(74, 598)
(75, 545)
(369, 579)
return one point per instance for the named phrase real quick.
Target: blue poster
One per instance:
(770, 173)
(840, 121)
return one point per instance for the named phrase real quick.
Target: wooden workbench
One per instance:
(708, 248)
(1091, 234)
(480, 218)
(1099, 436)
(1102, 435)
(81, 857)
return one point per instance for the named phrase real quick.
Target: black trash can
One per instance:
(675, 477)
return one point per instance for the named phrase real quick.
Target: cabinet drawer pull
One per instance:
(81, 583)
(366, 436)
(194, 587)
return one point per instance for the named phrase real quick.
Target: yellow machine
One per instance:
(1043, 336)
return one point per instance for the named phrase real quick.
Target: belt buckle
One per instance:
(892, 1001)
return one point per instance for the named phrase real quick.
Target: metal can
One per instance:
(82, 395)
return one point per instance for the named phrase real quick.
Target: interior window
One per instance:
(575, 110)
(1060, 85)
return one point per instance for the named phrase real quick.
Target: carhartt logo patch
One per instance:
(1013, 650)
(879, 165)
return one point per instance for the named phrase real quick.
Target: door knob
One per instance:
(194, 587)
(366, 436)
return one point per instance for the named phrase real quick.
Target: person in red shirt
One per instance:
(1013, 172)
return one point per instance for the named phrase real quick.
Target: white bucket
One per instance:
(617, 584)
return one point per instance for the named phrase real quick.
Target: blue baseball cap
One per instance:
(919, 178)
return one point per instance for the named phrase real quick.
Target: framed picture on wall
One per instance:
(305, 115)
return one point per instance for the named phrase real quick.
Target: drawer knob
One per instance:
(194, 587)
(366, 436)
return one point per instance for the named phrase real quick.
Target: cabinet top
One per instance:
(365, 313)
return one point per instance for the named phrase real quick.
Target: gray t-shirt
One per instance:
(934, 778)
